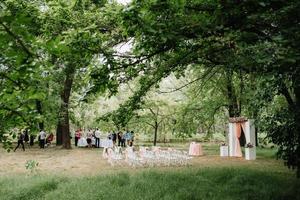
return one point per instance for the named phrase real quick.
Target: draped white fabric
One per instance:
(106, 143)
(82, 142)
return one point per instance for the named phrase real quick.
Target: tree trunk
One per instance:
(256, 136)
(241, 91)
(297, 133)
(58, 133)
(294, 107)
(233, 107)
(164, 129)
(155, 133)
(63, 128)
(296, 120)
(38, 104)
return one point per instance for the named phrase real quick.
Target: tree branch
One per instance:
(285, 92)
(17, 38)
(189, 83)
(150, 124)
(17, 83)
(13, 111)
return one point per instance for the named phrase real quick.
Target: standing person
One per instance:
(114, 138)
(32, 137)
(20, 141)
(89, 135)
(132, 139)
(42, 136)
(77, 136)
(119, 138)
(26, 137)
(50, 138)
(97, 138)
(123, 140)
(128, 138)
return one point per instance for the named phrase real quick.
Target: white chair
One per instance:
(115, 158)
(133, 160)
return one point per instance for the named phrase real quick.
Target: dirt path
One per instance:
(85, 161)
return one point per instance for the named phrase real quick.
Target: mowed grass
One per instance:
(217, 181)
(206, 183)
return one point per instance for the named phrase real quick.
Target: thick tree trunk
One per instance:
(58, 133)
(63, 128)
(297, 116)
(38, 104)
(297, 120)
(155, 133)
(294, 107)
(241, 91)
(233, 107)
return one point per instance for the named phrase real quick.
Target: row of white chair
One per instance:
(146, 157)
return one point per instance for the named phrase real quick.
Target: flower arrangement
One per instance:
(249, 145)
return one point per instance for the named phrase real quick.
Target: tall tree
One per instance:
(76, 35)
(21, 89)
(257, 37)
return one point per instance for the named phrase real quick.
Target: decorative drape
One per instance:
(243, 125)
(238, 151)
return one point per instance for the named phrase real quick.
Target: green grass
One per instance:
(207, 183)
(214, 149)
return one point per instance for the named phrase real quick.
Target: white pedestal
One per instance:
(250, 153)
(223, 151)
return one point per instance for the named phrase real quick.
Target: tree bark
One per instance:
(40, 111)
(63, 128)
(256, 136)
(297, 119)
(294, 107)
(58, 133)
(233, 107)
(155, 133)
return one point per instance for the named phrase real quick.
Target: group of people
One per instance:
(125, 138)
(93, 137)
(43, 139)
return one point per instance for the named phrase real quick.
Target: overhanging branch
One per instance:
(17, 38)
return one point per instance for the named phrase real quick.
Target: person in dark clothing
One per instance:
(20, 141)
(114, 137)
(119, 135)
(123, 140)
(26, 137)
(132, 139)
(32, 137)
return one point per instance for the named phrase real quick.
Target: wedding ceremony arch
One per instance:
(237, 126)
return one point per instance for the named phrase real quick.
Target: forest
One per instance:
(179, 68)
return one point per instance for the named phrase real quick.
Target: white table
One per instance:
(93, 141)
(106, 143)
(82, 142)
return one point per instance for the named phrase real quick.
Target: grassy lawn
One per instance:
(207, 183)
(209, 177)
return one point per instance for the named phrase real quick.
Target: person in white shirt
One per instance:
(97, 138)
(42, 136)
